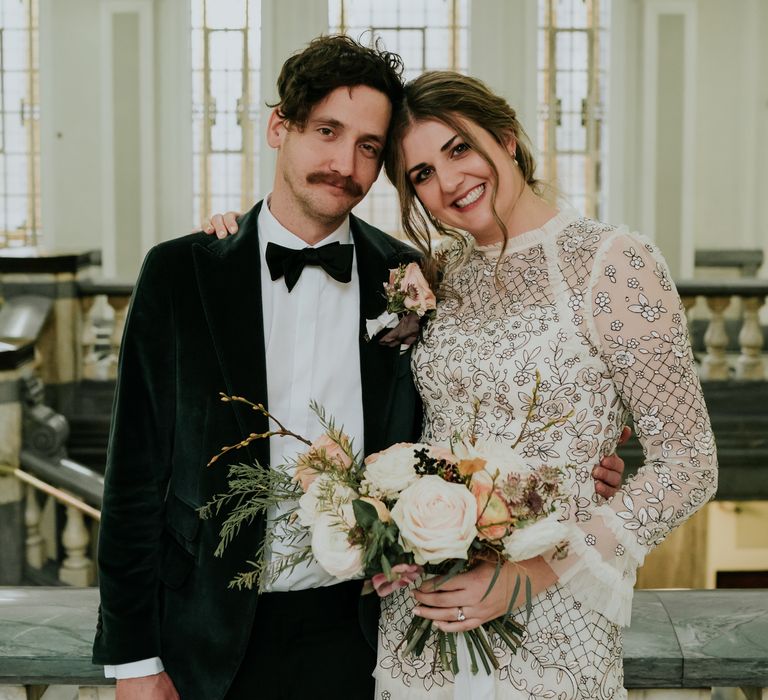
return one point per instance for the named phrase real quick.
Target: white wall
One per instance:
(728, 128)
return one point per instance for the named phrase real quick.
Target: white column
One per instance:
(70, 139)
(502, 52)
(659, 117)
(286, 27)
(128, 134)
(173, 90)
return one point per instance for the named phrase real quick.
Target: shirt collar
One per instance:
(272, 231)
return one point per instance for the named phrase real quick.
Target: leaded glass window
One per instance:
(429, 35)
(572, 128)
(225, 105)
(19, 124)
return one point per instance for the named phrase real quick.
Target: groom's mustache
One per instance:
(346, 183)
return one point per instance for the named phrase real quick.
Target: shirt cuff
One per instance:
(135, 669)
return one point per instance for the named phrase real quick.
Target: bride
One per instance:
(593, 308)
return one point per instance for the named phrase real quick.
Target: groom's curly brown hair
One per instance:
(330, 62)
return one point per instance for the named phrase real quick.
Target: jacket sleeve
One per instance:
(137, 473)
(638, 324)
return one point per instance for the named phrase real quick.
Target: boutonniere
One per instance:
(409, 300)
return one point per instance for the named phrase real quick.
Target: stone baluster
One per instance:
(750, 363)
(119, 304)
(88, 340)
(77, 567)
(35, 542)
(714, 365)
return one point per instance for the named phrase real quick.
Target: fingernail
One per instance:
(417, 611)
(232, 229)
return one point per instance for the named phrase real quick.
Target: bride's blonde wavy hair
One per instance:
(453, 99)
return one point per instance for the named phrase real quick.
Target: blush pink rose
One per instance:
(436, 519)
(418, 296)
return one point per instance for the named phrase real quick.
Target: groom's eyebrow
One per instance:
(443, 148)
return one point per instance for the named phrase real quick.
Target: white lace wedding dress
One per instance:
(593, 309)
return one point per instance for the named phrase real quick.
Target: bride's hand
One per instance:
(408, 574)
(221, 224)
(465, 594)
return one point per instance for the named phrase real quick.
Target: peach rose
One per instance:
(383, 512)
(493, 516)
(332, 450)
(418, 296)
(308, 465)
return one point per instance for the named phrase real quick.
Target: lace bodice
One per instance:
(593, 310)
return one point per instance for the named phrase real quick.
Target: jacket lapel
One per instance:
(377, 362)
(229, 279)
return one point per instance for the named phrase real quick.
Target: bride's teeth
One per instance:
(473, 196)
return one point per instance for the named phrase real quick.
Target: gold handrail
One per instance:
(58, 494)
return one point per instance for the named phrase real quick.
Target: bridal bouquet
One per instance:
(445, 508)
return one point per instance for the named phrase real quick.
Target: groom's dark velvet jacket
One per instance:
(195, 329)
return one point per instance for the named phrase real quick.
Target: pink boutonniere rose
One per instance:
(409, 299)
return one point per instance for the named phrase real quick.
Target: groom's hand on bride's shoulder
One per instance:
(608, 474)
(155, 687)
(222, 225)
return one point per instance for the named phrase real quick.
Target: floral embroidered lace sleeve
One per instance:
(632, 315)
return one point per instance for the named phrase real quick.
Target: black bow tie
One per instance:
(334, 258)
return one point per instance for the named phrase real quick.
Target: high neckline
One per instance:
(529, 238)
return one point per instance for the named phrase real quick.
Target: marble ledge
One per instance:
(678, 639)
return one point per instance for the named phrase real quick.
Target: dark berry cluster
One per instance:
(427, 464)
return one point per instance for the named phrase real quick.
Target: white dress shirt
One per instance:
(311, 340)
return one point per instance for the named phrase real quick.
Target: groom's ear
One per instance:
(277, 127)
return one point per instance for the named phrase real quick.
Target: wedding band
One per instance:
(461, 616)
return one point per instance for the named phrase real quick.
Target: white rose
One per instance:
(436, 519)
(498, 457)
(331, 547)
(536, 538)
(319, 498)
(387, 473)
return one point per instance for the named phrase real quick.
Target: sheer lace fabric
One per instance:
(593, 309)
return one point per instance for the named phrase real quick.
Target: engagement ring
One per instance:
(461, 616)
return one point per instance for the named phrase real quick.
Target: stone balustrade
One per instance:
(104, 306)
(680, 646)
(746, 297)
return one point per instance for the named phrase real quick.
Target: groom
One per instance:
(230, 315)
(276, 314)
